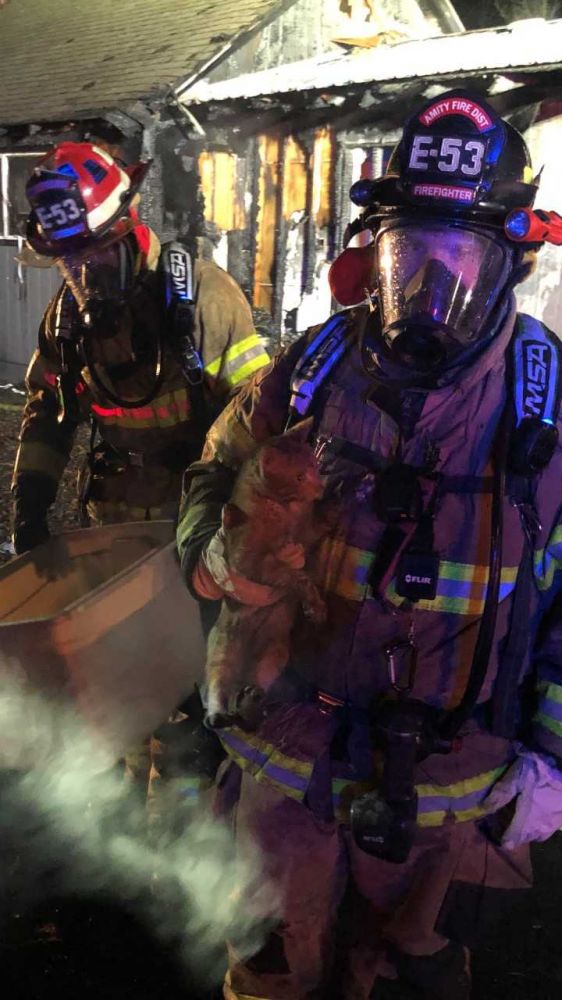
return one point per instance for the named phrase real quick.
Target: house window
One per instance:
(15, 169)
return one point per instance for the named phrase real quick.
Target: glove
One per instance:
(534, 784)
(33, 494)
(213, 579)
(186, 745)
(28, 534)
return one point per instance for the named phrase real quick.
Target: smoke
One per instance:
(68, 819)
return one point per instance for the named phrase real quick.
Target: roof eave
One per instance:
(495, 51)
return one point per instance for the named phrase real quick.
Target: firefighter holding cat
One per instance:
(409, 751)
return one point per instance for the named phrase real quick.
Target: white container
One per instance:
(102, 616)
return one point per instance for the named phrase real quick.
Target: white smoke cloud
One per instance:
(68, 811)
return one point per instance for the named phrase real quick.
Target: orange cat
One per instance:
(268, 525)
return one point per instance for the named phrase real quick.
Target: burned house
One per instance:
(257, 116)
(284, 140)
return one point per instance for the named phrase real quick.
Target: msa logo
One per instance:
(535, 374)
(178, 271)
(410, 578)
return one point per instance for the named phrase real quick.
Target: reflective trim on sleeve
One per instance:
(544, 717)
(550, 703)
(35, 456)
(187, 519)
(267, 764)
(548, 561)
(239, 361)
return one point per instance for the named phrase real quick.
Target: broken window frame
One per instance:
(7, 230)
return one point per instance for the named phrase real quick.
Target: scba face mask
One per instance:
(439, 284)
(102, 282)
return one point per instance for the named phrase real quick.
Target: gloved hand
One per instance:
(184, 745)
(214, 579)
(28, 534)
(33, 493)
(535, 783)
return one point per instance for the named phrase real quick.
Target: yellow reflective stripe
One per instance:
(232, 353)
(450, 800)
(258, 773)
(462, 799)
(35, 456)
(458, 789)
(251, 366)
(239, 361)
(267, 764)
(550, 690)
(461, 589)
(548, 723)
(438, 817)
(549, 560)
(187, 520)
(302, 767)
(342, 569)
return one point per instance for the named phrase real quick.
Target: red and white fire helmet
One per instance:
(80, 196)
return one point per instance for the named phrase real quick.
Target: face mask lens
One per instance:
(439, 279)
(105, 276)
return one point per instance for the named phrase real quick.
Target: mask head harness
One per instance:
(452, 222)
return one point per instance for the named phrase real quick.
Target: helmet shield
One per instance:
(438, 286)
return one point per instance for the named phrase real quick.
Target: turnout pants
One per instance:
(346, 920)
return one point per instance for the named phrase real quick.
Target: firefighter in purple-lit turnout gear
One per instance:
(410, 750)
(149, 352)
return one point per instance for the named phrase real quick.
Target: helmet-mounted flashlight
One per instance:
(523, 225)
(362, 192)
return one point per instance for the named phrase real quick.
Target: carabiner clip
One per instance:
(402, 659)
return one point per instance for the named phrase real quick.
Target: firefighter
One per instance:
(107, 351)
(410, 749)
(139, 339)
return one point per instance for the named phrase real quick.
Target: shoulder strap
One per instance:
(176, 266)
(537, 398)
(536, 390)
(317, 362)
(179, 297)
